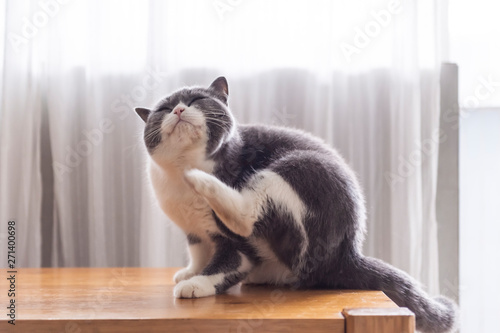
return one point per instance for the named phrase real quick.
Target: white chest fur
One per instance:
(180, 203)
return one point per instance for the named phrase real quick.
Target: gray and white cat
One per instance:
(263, 204)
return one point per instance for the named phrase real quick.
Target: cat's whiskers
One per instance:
(152, 134)
(221, 120)
(217, 123)
(216, 113)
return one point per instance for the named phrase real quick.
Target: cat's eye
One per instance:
(164, 109)
(195, 99)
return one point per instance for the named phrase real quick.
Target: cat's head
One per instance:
(190, 119)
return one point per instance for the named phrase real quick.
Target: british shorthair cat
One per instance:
(264, 204)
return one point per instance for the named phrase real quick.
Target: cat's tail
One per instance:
(433, 315)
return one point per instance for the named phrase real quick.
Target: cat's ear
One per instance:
(143, 113)
(220, 87)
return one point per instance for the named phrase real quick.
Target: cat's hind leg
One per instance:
(238, 210)
(228, 267)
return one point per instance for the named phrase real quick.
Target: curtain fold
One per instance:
(20, 179)
(93, 61)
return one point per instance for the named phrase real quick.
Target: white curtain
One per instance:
(363, 75)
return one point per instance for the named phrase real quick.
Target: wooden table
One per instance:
(78, 300)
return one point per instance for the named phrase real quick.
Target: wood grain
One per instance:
(379, 320)
(77, 300)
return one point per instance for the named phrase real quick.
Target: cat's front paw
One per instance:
(183, 274)
(197, 286)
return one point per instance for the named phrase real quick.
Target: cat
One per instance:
(266, 205)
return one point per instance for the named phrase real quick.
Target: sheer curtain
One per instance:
(361, 75)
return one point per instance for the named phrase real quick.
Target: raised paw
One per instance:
(184, 274)
(197, 286)
(200, 181)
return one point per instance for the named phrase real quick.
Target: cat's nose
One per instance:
(178, 110)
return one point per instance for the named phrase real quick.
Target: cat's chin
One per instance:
(185, 134)
(181, 125)
(186, 141)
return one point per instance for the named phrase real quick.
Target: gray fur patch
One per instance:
(193, 239)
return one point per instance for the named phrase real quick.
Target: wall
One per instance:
(480, 220)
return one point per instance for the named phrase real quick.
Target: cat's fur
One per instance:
(262, 204)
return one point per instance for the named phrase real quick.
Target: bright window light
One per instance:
(237, 36)
(475, 47)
